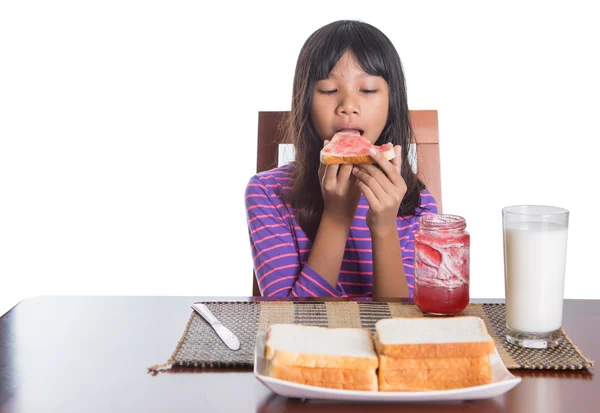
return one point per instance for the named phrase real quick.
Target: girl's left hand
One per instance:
(384, 190)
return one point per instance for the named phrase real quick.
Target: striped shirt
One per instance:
(280, 248)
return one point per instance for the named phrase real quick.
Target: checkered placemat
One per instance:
(201, 347)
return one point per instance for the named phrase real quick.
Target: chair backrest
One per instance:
(424, 153)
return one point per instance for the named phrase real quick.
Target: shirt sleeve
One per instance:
(428, 204)
(277, 265)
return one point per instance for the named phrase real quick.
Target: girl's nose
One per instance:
(348, 106)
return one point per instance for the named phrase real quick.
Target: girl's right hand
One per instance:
(340, 191)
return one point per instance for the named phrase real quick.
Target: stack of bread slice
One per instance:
(339, 358)
(424, 354)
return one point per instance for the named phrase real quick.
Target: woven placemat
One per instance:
(201, 347)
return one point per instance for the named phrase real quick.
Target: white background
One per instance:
(128, 132)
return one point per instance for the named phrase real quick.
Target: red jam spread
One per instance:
(346, 143)
(442, 264)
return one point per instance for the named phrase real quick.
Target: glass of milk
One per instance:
(535, 252)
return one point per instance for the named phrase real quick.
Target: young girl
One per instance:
(340, 230)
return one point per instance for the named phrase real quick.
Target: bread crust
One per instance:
(438, 350)
(428, 379)
(449, 363)
(305, 375)
(331, 159)
(343, 386)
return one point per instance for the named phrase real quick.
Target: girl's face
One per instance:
(350, 99)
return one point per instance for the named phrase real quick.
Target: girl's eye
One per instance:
(328, 92)
(369, 91)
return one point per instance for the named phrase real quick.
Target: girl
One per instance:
(340, 230)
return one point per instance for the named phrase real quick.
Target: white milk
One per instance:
(535, 260)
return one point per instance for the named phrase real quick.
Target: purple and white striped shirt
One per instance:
(280, 248)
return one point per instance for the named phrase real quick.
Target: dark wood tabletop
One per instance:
(67, 354)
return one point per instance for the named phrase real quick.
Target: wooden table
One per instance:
(68, 354)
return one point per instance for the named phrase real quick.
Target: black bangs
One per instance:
(364, 41)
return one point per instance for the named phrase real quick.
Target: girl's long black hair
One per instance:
(377, 56)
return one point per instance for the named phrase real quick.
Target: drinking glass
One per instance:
(535, 252)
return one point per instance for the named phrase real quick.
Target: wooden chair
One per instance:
(426, 139)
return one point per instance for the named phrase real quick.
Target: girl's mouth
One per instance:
(352, 130)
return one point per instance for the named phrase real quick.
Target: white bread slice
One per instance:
(446, 363)
(329, 155)
(424, 379)
(351, 379)
(307, 346)
(433, 337)
(344, 386)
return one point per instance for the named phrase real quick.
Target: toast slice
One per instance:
(425, 354)
(348, 379)
(320, 347)
(424, 379)
(433, 337)
(445, 363)
(434, 374)
(351, 148)
(342, 386)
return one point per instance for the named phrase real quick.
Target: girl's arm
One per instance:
(328, 249)
(276, 259)
(389, 279)
(384, 190)
(388, 260)
(340, 197)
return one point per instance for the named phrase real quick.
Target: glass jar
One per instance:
(442, 264)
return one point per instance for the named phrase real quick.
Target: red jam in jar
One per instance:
(442, 264)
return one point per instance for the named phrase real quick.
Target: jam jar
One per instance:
(442, 264)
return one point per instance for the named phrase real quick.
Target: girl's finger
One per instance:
(330, 175)
(370, 182)
(381, 178)
(322, 169)
(368, 193)
(345, 173)
(397, 161)
(386, 166)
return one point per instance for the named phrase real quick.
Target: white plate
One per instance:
(502, 381)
